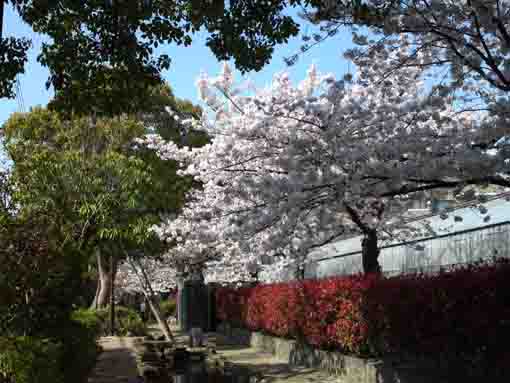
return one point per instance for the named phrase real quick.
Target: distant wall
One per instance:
(457, 248)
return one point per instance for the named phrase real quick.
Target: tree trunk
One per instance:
(104, 282)
(300, 272)
(370, 252)
(100, 276)
(149, 294)
(96, 296)
(163, 325)
(112, 296)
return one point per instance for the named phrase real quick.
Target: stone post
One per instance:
(180, 277)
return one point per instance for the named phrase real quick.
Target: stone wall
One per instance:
(353, 369)
(234, 335)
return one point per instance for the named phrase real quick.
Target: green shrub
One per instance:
(89, 320)
(127, 322)
(79, 345)
(168, 308)
(30, 360)
(65, 355)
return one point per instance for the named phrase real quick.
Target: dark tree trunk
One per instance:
(300, 272)
(370, 252)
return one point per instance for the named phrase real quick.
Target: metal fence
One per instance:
(462, 247)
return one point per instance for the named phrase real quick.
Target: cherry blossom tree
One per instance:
(162, 277)
(147, 276)
(460, 46)
(291, 168)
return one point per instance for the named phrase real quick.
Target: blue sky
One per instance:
(187, 62)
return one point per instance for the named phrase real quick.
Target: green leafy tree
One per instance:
(41, 275)
(103, 51)
(84, 174)
(103, 193)
(41, 272)
(12, 58)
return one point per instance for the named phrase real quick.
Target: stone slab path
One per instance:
(116, 364)
(272, 369)
(263, 364)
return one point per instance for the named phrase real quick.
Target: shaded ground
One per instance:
(116, 363)
(272, 369)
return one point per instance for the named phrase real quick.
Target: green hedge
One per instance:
(30, 360)
(168, 308)
(66, 356)
(127, 322)
(79, 344)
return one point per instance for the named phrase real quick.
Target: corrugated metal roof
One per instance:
(498, 209)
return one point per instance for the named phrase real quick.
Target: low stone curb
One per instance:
(351, 369)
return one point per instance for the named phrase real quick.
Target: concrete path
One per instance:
(271, 369)
(263, 364)
(116, 364)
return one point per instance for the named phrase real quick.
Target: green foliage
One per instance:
(103, 54)
(249, 31)
(5, 197)
(12, 61)
(64, 356)
(40, 279)
(78, 344)
(30, 360)
(127, 322)
(40, 284)
(78, 185)
(168, 308)
(89, 320)
(88, 176)
(107, 95)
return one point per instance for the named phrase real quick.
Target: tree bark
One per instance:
(149, 294)
(369, 246)
(370, 252)
(104, 281)
(96, 296)
(112, 296)
(300, 271)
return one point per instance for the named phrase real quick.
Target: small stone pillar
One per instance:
(180, 278)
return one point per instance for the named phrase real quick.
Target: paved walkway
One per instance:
(263, 364)
(272, 369)
(116, 364)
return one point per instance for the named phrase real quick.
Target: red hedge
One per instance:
(460, 312)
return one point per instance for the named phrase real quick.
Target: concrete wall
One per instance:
(457, 248)
(359, 370)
